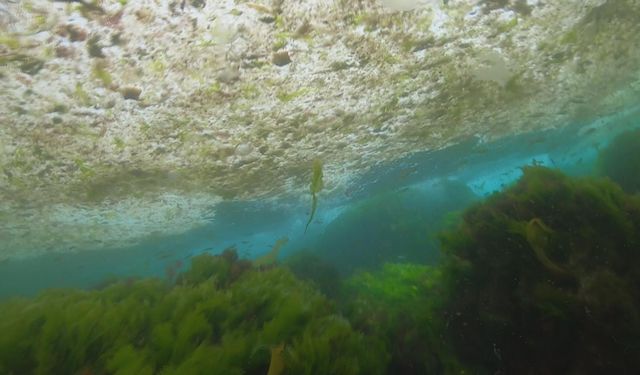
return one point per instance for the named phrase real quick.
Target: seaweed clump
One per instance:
(401, 305)
(544, 278)
(620, 161)
(220, 317)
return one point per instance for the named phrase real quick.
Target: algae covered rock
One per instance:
(220, 317)
(545, 278)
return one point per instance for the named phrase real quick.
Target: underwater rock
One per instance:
(267, 19)
(175, 49)
(492, 67)
(401, 5)
(31, 65)
(228, 75)
(243, 149)
(198, 3)
(73, 31)
(281, 58)
(131, 92)
(64, 50)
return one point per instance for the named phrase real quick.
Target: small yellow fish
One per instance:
(315, 186)
(277, 360)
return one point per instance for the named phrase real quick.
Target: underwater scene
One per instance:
(287, 187)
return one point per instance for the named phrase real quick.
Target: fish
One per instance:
(276, 366)
(537, 234)
(271, 257)
(315, 186)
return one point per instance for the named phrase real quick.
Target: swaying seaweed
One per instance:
(543, 278)
(221, 317)
(513, 310)
(402, 305)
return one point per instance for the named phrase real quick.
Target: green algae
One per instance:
(403, 305)
(285, 96)
(508, 310)
(220, 317)
(491, 306)
(81, 95)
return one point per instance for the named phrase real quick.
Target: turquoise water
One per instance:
(423, 188)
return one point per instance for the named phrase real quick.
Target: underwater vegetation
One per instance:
(541, 278)
(220, 317)
(401, 304)
(544, 278)
(308, 266)
(392, 227)
(620, 161)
